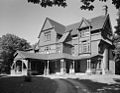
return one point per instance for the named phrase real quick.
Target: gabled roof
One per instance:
(87, 23)
(64, 37)
(59, 28)
(98, 22)
(95, 23)
(73, 27)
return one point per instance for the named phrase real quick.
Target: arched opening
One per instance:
(19, 66)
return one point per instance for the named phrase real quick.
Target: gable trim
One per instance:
(84, 20)
(43, 27)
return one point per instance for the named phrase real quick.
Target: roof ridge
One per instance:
(98, 17)
(87, 19)
(54, 21)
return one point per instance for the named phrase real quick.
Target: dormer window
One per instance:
(47, 35)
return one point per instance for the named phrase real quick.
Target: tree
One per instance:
(10, 44)
(116, 38)
(118, 24)
(87, 4)
(116, 42)
(50, 3)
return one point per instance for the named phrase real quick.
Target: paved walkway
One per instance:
(64, 87)
(70, 86)
(80, 88)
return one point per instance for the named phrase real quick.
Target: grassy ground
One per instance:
(96, 87)
(47, 85)
(18, 85)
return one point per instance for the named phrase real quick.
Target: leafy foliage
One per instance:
(10, 44)
(116, 42)
(50, 3)
(116, 39)
(87, 4)
(118, 25)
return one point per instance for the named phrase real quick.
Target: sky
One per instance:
(25, 19)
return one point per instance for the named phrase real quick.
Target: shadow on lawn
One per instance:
(96, 87)
(18, 85)
(117, 80)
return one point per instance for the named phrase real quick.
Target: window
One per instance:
(84, 33)
(47, 36)
(84, 47)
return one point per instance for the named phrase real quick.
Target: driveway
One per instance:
(70, 86)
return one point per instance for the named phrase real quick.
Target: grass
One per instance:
(18, 85)
(96, 87)
(46, 85)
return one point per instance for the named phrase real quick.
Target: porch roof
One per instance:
(25, 55)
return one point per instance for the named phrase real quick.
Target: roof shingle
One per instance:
(59, 28)
(96, 23)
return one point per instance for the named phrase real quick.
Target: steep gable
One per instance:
(59, 28)
(84, 23)
(49, 23)
(95, 23)
(98, 22)
(107, 25)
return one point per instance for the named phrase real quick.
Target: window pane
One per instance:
(47, 36)
(84, 48)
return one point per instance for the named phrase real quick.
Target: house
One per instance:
(83, 47)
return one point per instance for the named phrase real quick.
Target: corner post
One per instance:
(88, 71)
(47, 67)
(62, 67)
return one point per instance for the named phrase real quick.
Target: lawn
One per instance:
(18, 85)
(47, 85)
(96, 87)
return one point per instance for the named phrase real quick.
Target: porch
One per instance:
(55, 64)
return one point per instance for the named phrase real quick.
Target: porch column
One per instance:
(26, 64)
(22, 66)
(99, 63)
(103, 68)
(88, 66)
(13, 70)
(62, 66)
(15, 67)
(29, 65)
(73, 66)
(47, 69)
(105, 61)
(44, 71)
